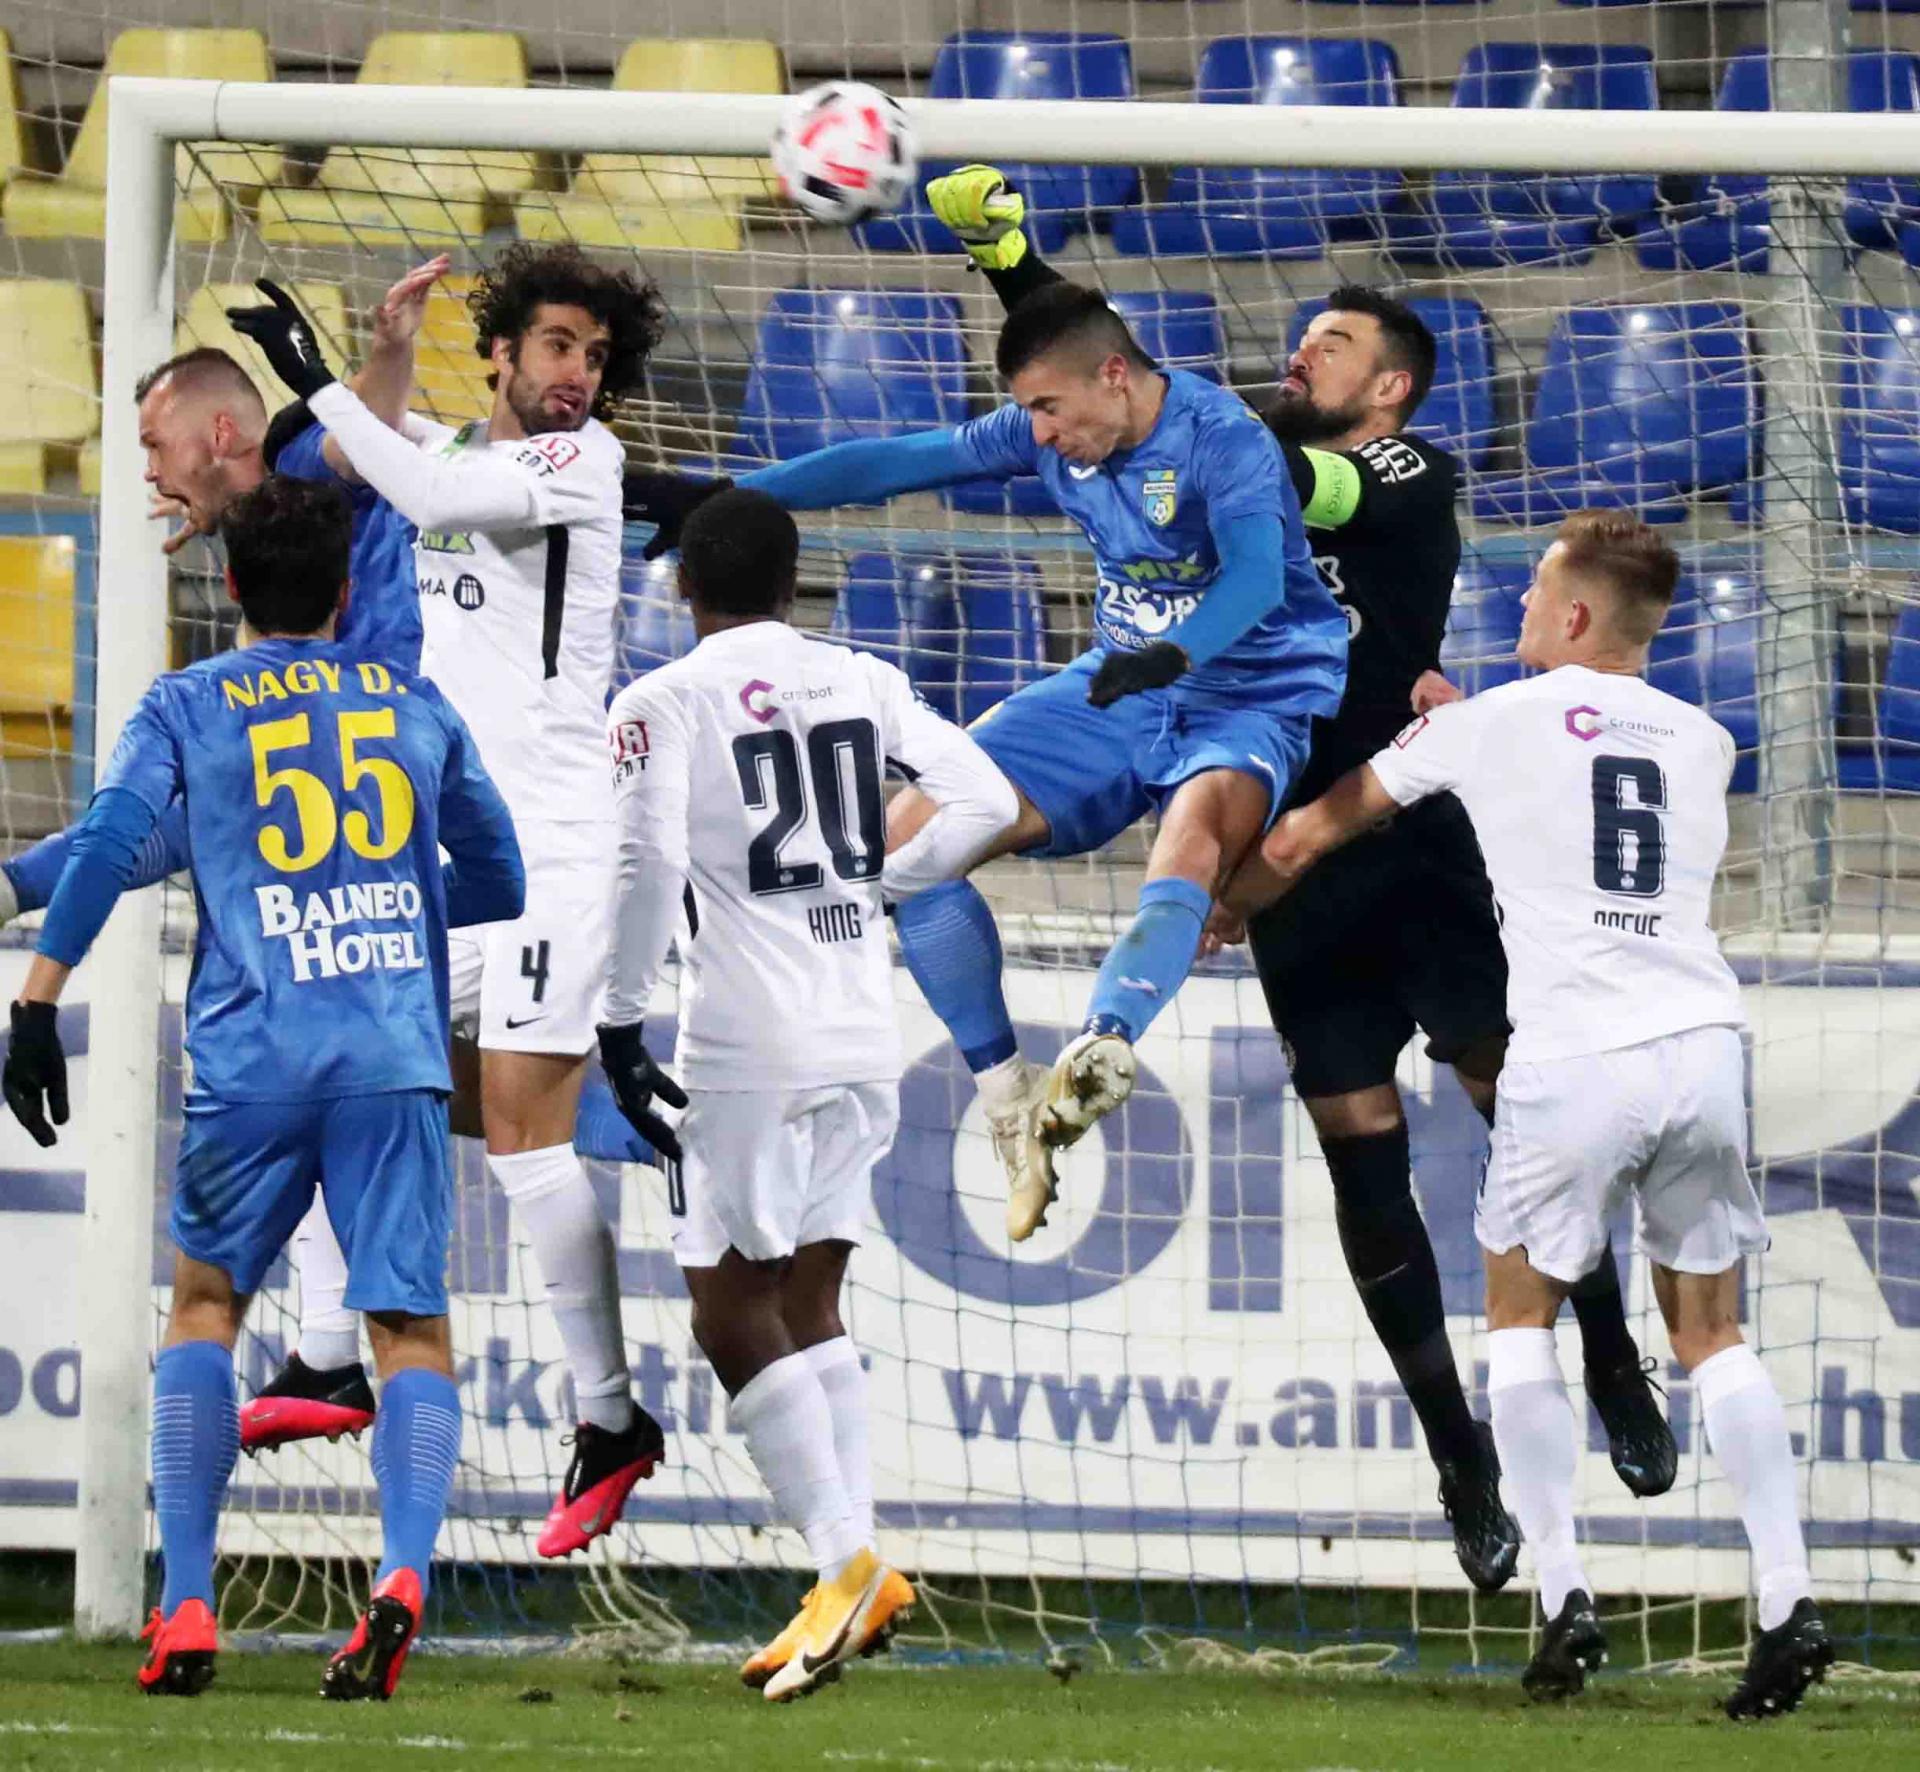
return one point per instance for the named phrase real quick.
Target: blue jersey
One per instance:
(1149, 512)
(319, 789)
(382, 617)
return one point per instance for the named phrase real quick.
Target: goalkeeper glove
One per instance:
(635, 1080)
(36, 1067)
(666, 500)
(285, 339)
(1127, 673)
(985, 212)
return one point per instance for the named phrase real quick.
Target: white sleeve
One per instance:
(1433, 754)
(652, 759)
(417, 428)
(976, 802)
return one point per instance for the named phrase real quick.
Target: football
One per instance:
(844, 151)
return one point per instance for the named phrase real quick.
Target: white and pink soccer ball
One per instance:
(844, 151)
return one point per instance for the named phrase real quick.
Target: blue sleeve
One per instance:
(1250, 586)
(1000, 444)
(866, 471)
(303, 457)
(35, 872)
(486, 881)
(106, 843)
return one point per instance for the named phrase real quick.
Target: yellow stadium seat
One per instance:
(49, 387)
(367, 195)
(450, 377)
(90, 468)
(73, 205)
(204, 322)
(13, 132)
(652, 201)
(36, 644)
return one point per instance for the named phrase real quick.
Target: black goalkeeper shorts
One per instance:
(1393, 932)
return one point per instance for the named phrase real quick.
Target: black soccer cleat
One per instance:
(301, 1402)
(604, 1470)
(1785, 1661)
(1639, 1441)
(1573, 1647)
(1486, 1538)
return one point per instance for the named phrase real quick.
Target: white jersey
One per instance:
(519, 621)
(1601, 808)
(750, 772)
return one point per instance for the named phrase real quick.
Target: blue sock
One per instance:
(35, 872)
(951, 945)
(601, 1130)
(416, 1445)
(196, 1438)
(1151, 961)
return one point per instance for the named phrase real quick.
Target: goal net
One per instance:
(1165, 1418)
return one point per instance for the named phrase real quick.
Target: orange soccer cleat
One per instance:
(180, 1663)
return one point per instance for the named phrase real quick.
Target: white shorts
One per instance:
(1665, 1121)
(536, 984)
(768, 1172)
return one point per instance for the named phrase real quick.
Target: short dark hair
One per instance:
(1633, 559)
(288, 550)
(1406, 341)
(740, 554)
(513, 288)
(1064, 314)
(203, 367)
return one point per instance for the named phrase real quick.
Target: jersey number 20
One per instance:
(769, 766)
(1629, 843)
(318, 823)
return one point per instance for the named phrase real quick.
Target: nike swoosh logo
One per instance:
(526, 1022)
(812, 1664)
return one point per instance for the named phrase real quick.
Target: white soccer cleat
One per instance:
(1013, 1095)
(1091, 1077)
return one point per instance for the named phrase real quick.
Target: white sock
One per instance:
(836, 1364)
(1533, 1430)
(329, 1332)
(573, 1248)
(1748, 1431)
(784, 1413)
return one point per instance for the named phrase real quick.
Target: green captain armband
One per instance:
(1336, 490)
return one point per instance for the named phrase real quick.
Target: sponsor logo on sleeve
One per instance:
(1407, 734)
(548, 455)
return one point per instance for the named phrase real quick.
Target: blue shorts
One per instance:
(248, 1171)
(1095, 771)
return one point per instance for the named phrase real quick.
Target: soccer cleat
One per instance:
(302, 1403)
(1573, 1647)
(770, 1658)
(369, 1666)
(1486, 1538)
(180, 1663)
(1013, 1096)
(1091, 1077)
(1639, 1441)
(1785, 1661)
(853, 1616)
(604, 1470)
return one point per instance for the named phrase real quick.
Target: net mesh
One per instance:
(1166, 1417)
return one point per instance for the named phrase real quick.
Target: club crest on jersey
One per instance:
(1160, 496)
(755, 698)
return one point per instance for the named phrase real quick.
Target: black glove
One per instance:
(1127, 673)
(36, 1068)
(283, 335)
(635, 1080)
(652, 495)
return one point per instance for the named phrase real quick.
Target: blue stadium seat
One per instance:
(1061, 200)
(1476, 220)
(1635, 406)
(1706, 654)
(1275, 212)
(1720, 222)
(1899, 709)
(1457, 413)
(968, 629)
(1880, 418)
(1483, 625)
(834, 364)
(655, 625)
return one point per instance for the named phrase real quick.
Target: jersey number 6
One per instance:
(859, 853)
(318, 819)
(1639, 871)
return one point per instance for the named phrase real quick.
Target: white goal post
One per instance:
(150, 117)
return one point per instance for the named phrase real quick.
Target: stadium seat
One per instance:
(203, 321)
(1476, 220)
(72, 205)
(1178, 328)
(450, 376)
(1483, 624)
(834, 364)
(49, 394)
(417, 198)
(13, 135)
(1635, 407)
(1894, 762)
(1706, 653)
(629, 202)
(1720, 222)
(1457, 413)
(1275, 212)
(1061, 200)
(1879, 455)
(655, 626)
(36, 645)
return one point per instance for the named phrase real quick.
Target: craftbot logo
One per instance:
(1584, 723)
(755, 698)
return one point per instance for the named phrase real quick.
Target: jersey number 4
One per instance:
(843, 757)
(318, 822)
(1629, 842)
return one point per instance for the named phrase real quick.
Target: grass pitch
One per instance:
(64, 1706)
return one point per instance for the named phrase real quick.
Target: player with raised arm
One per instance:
(1216, 644)
(748, 774)
(518, 557)
(1600, 804)
(319, 790)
